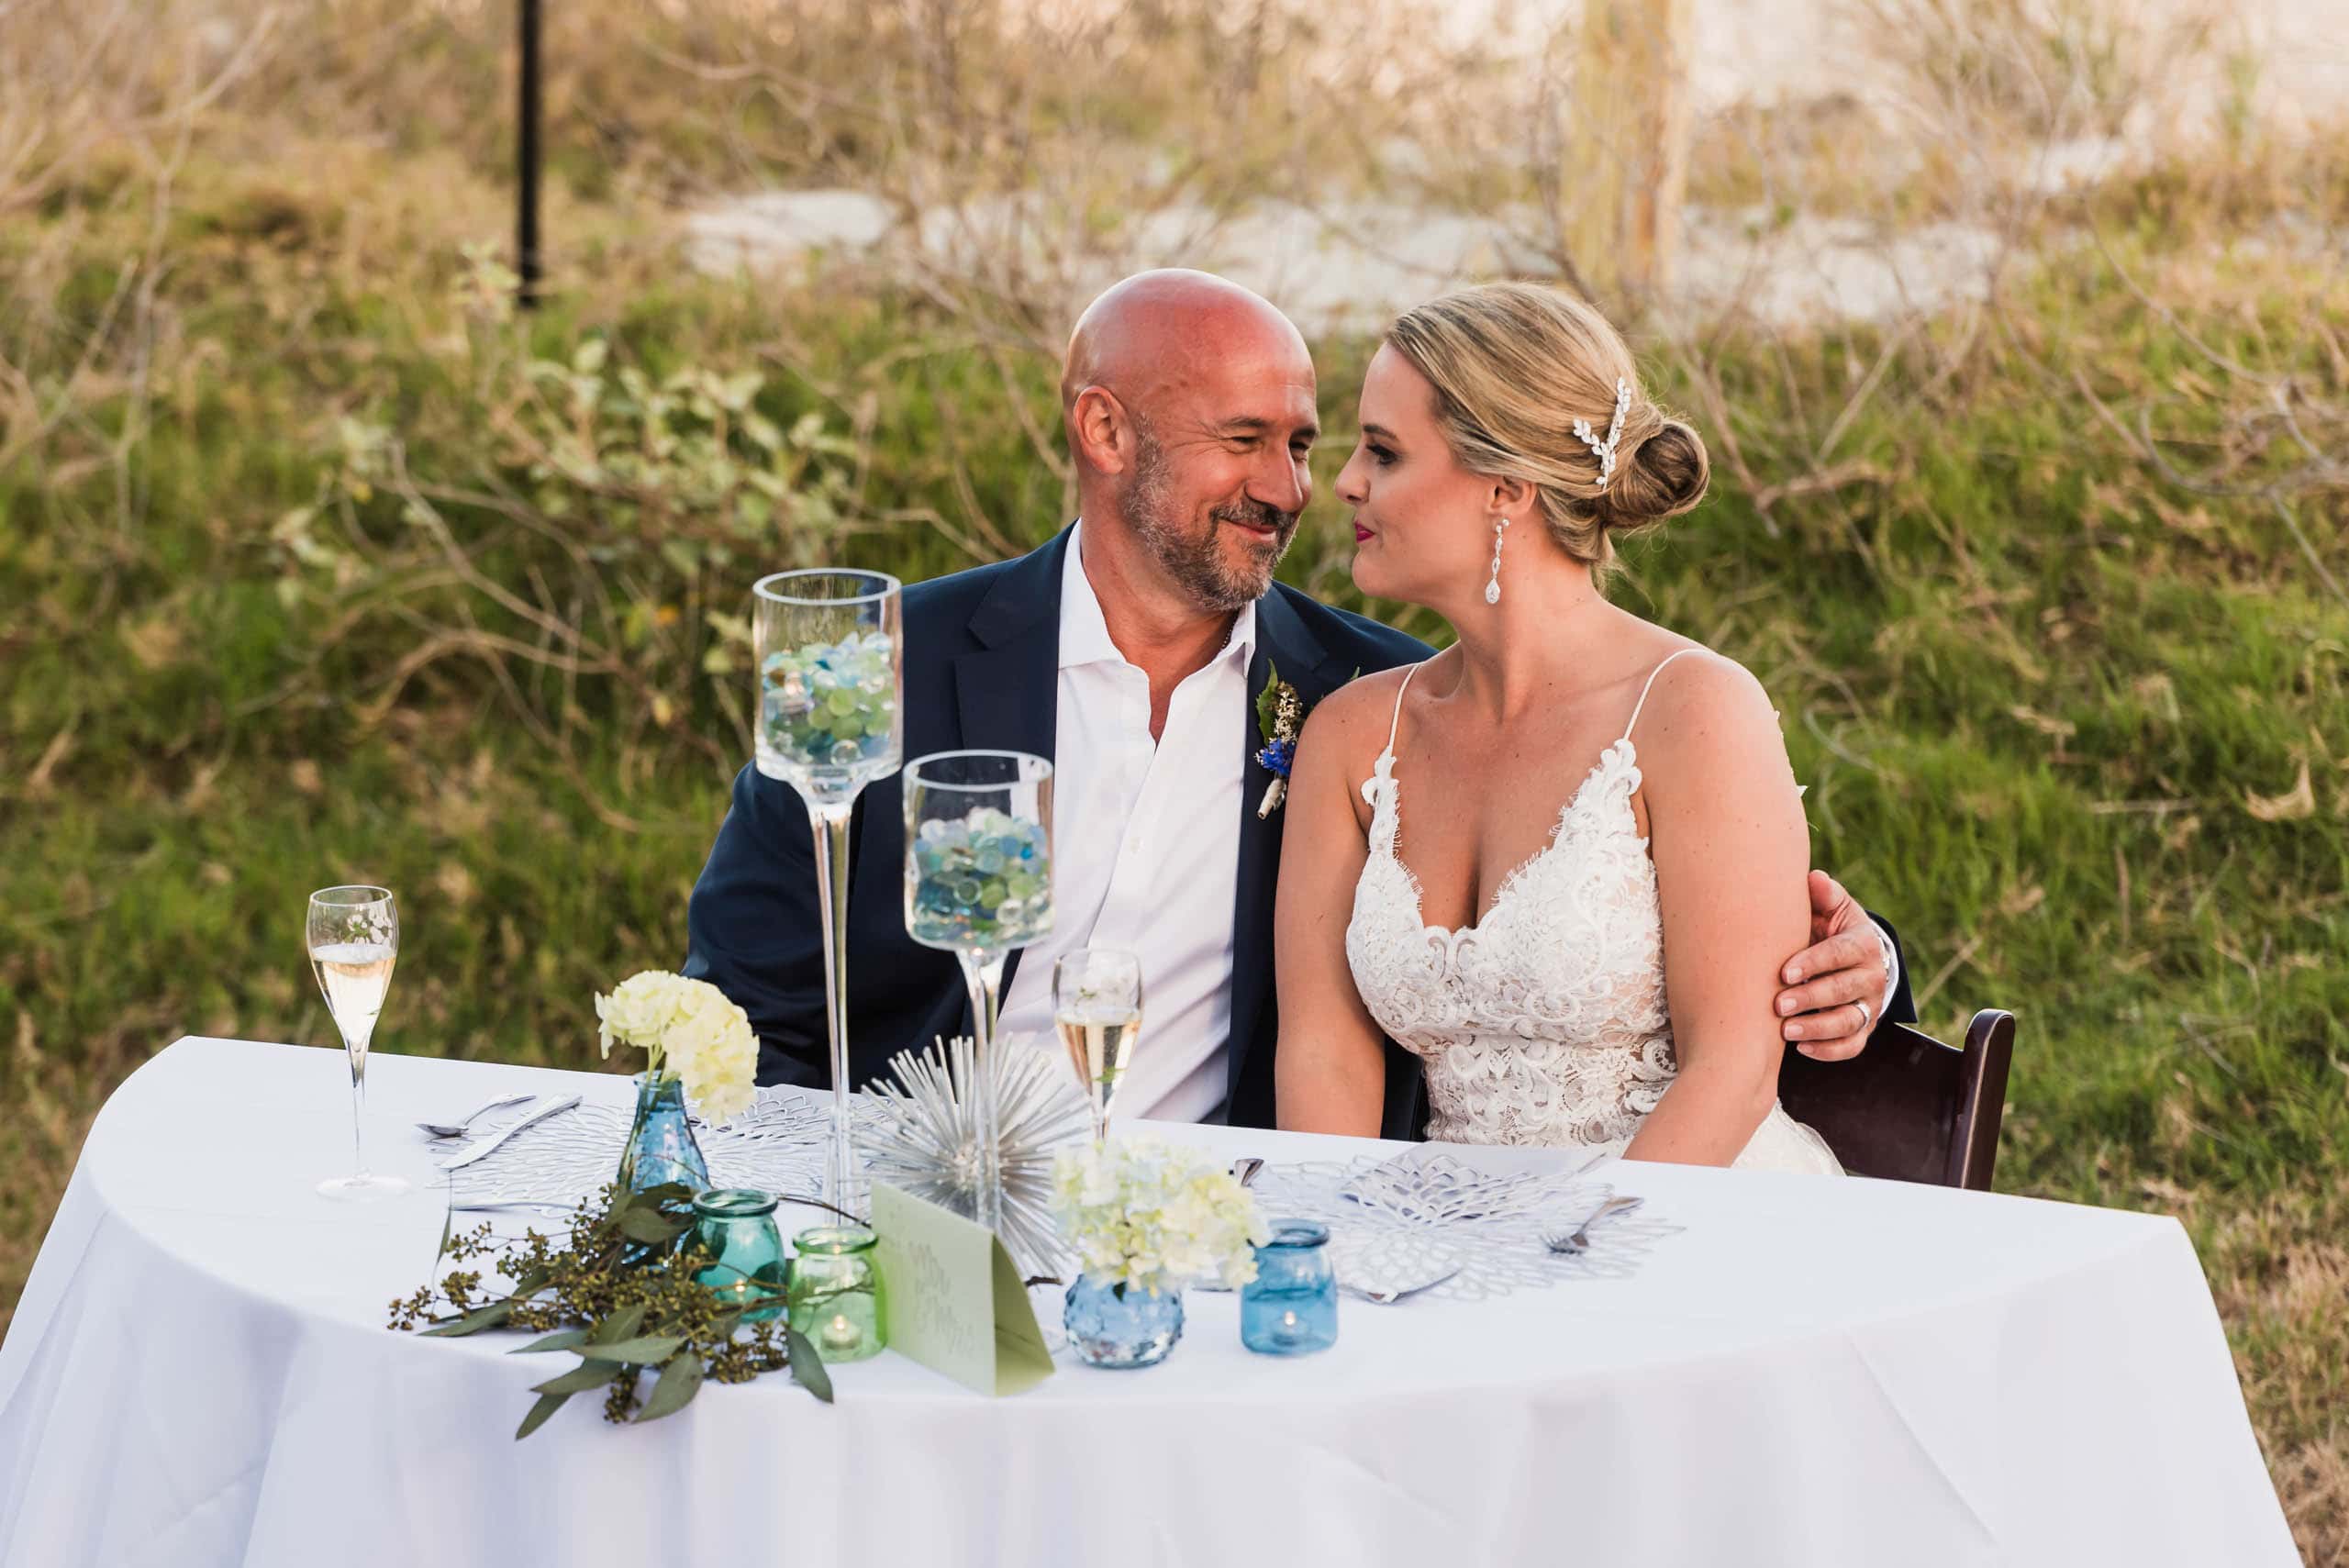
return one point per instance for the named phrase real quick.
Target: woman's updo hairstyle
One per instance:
(1514, 365)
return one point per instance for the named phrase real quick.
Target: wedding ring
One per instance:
(1867, 1015)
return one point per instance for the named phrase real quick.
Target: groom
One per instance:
(1131, 651)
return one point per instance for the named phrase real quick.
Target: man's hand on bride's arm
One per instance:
(1836, 988)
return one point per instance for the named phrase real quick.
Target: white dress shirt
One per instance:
(1145, 851)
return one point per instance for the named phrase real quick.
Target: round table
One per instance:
(1810, 1371)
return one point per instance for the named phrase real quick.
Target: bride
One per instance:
(1560, 860)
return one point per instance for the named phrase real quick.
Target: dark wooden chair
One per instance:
(1909, 1109)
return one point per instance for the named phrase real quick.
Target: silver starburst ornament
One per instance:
(924, 1138)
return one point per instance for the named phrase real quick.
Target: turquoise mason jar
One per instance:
(735, 1226)
(1291, 1307)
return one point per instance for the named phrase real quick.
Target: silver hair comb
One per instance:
(1606, 448)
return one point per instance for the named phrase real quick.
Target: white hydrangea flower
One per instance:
(688, 1030)
(1146, 1217)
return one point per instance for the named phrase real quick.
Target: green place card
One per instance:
(953, 1298)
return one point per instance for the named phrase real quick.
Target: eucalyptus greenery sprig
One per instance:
(621, 1293)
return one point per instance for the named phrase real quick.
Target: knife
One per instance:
(493, 1139)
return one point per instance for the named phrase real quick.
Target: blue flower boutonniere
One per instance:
(1279, 713)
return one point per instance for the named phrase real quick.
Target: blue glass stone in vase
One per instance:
(1135, 1328)
(1291, 1307)
(661, 1147)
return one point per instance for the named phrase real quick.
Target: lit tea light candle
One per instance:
(1291, 1307)
(836, 1291)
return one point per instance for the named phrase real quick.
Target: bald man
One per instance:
(1130, 649)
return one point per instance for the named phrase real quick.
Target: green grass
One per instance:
(2036, 691)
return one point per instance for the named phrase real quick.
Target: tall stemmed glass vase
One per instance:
(830, 662)
(353, 936)
(979, 882)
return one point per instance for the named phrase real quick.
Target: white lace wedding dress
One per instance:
(1545, 1022)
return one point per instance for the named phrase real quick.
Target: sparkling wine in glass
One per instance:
(831, 720)
(1097, 1006)
(979, 882)
(354, 940)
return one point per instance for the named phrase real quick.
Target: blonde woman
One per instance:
(1561, 861)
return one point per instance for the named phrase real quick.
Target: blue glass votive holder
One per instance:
(1291, 1308)
(735, 1226)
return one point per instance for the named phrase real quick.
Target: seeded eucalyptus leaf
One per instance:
(547, 1405)
(473, 1322)
(620, 1325)
(806, 1367)
(591, 1291)
(649, 1351)
(580, 1378)
(680, 1381)
(651, 1226)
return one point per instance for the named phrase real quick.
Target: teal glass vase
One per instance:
(661, 1152)
(661, 1147)
(1121, 1326)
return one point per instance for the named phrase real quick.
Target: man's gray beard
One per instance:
(1197, 565)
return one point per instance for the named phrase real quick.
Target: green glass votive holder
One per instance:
(836, 1291)
(735, 1226)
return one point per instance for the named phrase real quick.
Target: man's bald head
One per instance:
(1189, 403)
(1162, 327)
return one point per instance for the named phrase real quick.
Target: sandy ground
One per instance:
(1354, 263)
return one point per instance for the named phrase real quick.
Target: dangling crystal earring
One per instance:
(1492, 588)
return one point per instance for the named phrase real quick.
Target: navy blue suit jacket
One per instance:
(982, 669)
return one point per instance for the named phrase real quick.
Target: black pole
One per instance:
(526, 219)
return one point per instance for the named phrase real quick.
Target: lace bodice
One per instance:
(1545, 1021)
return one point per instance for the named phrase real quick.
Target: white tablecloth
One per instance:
(1812, 1373)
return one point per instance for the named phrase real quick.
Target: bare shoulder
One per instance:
(1364, 697)
(1359, 707)
(1348, 727)
(1706, 705)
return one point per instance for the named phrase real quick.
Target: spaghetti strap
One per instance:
(1395, 725)
(1643, 690)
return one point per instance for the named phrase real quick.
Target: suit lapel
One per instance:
(1007, 691)
(1283, 643)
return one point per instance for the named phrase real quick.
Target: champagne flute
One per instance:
(979, 882)
(830, 673)
(354, 939)
(1097, 1006)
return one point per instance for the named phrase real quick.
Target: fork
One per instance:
(1578, 1238)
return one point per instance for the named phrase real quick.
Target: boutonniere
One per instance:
(1279, 713)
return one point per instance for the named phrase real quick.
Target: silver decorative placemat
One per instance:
(777, 1146)
(1416, 1203)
